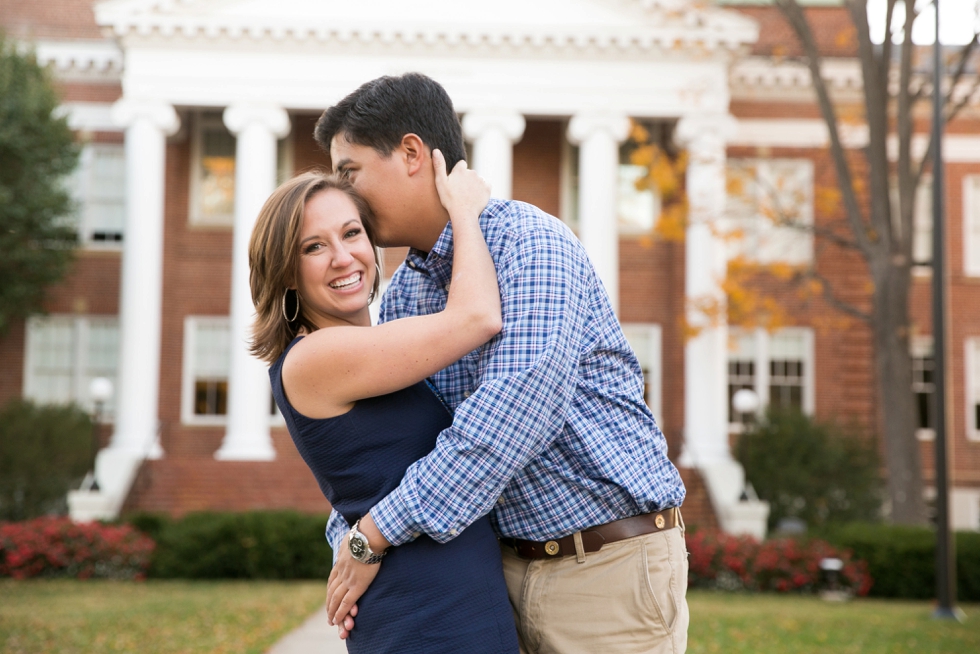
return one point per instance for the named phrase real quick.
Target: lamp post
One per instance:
(100, 391)
(945, 559)
(745, 400)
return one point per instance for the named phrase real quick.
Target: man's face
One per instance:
(383, 182)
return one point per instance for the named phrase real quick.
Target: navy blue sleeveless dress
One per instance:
(427, 597)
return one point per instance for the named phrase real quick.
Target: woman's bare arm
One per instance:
(336, 366)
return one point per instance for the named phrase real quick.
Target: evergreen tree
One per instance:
(37, 151)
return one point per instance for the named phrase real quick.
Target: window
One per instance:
(646, 343)
(207, 360)
(973, 388)
(741, 374)
(787, 358)
(921, 223)
(777, 366)
(923, 386)
(770, 204)
(971, 225)
(63, 355)
(98, 185)
(213, 147)
(213, 171)
(637, 210)
(206, 364)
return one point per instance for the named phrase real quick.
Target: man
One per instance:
(551, 434)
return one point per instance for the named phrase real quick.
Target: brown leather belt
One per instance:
(594, 538)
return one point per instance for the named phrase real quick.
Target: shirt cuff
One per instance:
(393, 518)
(335, 531)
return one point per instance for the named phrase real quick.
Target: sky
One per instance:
(957, 21)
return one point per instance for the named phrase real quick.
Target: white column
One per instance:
(598, 137)
(257, 127)
(706, 354)
(140, 307)
(493, 134)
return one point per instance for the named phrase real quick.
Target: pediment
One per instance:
(603, 24)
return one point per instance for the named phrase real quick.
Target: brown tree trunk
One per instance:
(891, 326)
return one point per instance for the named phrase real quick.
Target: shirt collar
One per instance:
(440, 256)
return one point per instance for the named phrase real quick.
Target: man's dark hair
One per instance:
(382, 111)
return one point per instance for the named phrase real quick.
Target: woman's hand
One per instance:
(463, 193)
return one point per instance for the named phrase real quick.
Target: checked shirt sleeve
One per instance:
(526, 380)
(336, 529)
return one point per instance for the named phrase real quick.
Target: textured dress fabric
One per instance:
(428, 597)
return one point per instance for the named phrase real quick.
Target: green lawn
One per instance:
(155, 617)
(789, 624)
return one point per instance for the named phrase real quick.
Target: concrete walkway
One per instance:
(315, 636)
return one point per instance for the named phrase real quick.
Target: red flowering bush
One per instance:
(718, 560)
(58, 547)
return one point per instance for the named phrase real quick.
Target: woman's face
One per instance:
(336, 264)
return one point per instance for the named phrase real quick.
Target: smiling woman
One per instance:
(356, 404)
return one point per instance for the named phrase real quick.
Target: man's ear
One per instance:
(416, 154)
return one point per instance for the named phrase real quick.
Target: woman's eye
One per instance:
(312, 247)
(352, 232)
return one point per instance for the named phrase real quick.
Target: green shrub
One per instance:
(902, 560)
(44, 452)
(253, 545)
(816, 471)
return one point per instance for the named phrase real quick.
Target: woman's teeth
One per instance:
(346, 281)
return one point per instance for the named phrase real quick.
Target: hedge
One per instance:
(902, 560)
(252, 545)
(57, 547)
(725, 562)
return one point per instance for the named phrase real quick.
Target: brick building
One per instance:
(189, 112)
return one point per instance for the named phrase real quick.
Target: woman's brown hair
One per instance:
(273, 259)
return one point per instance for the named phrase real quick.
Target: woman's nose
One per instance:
(342, 257)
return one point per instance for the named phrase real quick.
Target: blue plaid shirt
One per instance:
(550, 432)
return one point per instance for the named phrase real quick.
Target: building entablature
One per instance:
(569, 25)
(652, 59)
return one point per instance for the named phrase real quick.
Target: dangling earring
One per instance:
(296, 314)
(377, 282)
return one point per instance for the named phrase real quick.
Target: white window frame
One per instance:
(187, 415)
(568, 199)
(762, 340)
(654, 378)
(922, 347)
(972, 371)
(79, 365)
(81, 185)
(203, 120)
(763, 254)
(207, 120)
(921, 223)
(971, 225)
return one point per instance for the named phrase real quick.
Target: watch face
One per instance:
(357, 546)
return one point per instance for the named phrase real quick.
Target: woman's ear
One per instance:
(416, 154)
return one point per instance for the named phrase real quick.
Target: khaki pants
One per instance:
(630, 596)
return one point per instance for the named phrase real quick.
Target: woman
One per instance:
(356, 403)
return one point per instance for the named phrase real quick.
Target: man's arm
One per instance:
(520, 406)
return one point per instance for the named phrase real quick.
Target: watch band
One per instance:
(359, 547)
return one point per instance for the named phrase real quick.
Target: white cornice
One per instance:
(80, 59)
(627, 24)
(766, 72)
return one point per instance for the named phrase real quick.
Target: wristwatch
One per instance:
(359, 547)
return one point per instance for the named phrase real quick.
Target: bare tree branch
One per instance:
(952, 110)
(831, 298)
(794, 15)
